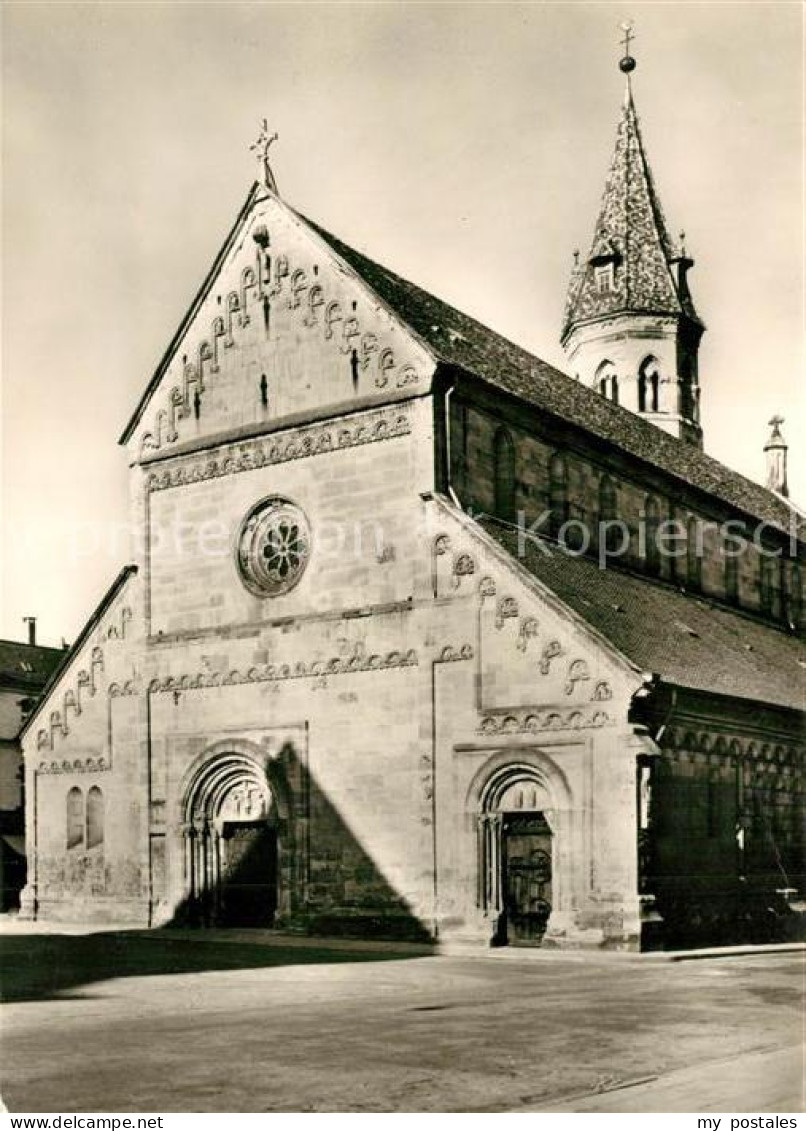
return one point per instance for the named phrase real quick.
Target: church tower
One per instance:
(630, 328)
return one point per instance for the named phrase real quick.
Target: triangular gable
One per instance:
(282, 327)
(94, 661)
(530, 648)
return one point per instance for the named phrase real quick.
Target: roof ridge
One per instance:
(27, 644)
(526, 376)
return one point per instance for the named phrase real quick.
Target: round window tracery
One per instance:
(274, 546)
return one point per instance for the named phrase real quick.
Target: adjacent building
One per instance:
(25, 669)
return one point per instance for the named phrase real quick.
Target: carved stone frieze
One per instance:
(487, 587)
(450, 654)
(528, 631)
(463, 566)
(760, 757)
(272, 673)
(550, 718)
(260, 287)
(602, 692)
(507, 610)
(578, 672)
(73, 766)
(300, 444)
(551, 651)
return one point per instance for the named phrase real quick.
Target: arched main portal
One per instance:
(518, 852)
(231, 823)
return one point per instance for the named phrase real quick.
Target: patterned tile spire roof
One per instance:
(631, 234)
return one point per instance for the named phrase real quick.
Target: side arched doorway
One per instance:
(232, 828)
(517, 858)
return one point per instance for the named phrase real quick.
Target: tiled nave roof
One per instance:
(685, 640)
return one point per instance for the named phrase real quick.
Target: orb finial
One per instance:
(261, 148)
(627, 63)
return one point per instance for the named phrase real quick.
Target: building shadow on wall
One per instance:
(300, 866)
(38, 967)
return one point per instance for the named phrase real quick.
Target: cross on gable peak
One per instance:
(261, 149)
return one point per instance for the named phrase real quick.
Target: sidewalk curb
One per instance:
(11, 926)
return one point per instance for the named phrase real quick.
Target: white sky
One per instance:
(465, 146)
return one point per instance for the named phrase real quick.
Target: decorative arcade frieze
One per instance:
(300, 443)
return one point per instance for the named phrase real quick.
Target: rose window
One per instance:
(273, 547)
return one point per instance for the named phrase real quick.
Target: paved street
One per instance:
(124, 1021)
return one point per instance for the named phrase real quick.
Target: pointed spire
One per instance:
(633, 265)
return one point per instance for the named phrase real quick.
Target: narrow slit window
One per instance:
(504, 474)
(95, 817)
(75, 817)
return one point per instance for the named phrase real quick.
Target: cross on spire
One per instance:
(627, 63)
(261, 148)
(775, 440)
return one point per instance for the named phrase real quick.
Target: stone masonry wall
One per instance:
(473, 447)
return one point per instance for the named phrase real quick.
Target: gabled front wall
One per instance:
(88, 737)
(535, 696)
(283, 329)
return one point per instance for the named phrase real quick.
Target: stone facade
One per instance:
(323, 696)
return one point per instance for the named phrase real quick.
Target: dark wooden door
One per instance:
(526, 860)
(248, 879)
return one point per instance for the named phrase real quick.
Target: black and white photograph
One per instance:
(402, 628)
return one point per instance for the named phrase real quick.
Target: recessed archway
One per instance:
(521, 805)
(233, 817)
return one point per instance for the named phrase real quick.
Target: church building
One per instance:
(423, 638)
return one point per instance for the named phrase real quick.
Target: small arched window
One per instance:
(607, 499)
(766, 571)
(504, 474)
(649, 385)
(607, 381)
(75, 817)
(794, 593)
(694, 550)
(95, 817)
(730, 553)
(651, 524)
(608, 514)
(558, 491)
